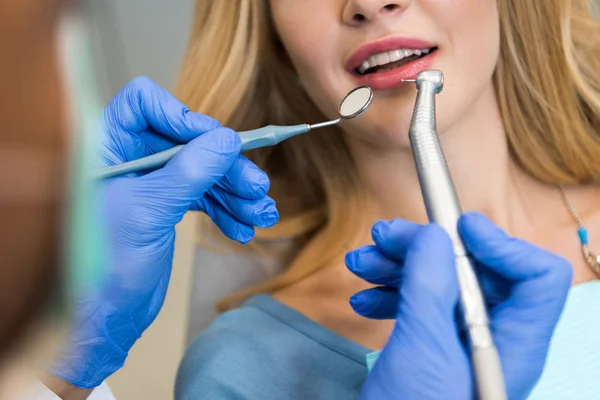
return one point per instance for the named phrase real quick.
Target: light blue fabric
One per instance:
(266, 350)
(371, 359)
(573, 366)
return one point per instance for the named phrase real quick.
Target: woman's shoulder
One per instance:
(227, 359)
(253, 328)
(249, 353)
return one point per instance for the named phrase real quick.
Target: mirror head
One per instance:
(356, 102)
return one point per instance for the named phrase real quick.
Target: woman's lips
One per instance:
(393, 78)
(383, 45)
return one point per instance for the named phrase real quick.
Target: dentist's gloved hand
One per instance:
(425, 358)
(141, 211)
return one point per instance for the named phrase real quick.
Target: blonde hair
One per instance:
(237, 71)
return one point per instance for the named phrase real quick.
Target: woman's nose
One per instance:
(359, 12)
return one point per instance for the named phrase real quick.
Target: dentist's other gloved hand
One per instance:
(141, 211)
(426, 357)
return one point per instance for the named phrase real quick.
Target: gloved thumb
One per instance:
(429, 281)
(197, 167)
(539, 283)
(530, 268)
(425, 338)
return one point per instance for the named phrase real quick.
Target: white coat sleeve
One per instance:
(40, 392)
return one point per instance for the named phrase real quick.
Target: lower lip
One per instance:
(393, 78)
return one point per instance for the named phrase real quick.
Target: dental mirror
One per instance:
(356, 102)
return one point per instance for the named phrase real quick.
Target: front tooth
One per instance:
(372, 62)
(417, 52)
(396, 55)
(382, 58)
(408, 53)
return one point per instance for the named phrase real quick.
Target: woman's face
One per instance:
(331, 42)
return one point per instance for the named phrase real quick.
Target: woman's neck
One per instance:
(485, 176)
(486, 180)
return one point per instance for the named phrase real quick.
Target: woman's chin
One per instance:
(380, 140)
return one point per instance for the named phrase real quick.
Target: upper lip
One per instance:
(383, 45)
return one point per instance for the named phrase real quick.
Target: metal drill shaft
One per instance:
(443, 208)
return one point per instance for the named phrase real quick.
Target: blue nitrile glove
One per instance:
(207, 175)
(425, 358)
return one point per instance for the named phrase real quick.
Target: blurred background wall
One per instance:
(132, 38)
(139, 37)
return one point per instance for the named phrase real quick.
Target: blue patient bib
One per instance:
(572, 368)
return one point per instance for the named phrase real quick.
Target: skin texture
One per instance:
(320, 49)
(468, 122)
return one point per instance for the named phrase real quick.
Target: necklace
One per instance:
(592, 259)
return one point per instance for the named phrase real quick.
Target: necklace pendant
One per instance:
(592, 259)
(594, 262)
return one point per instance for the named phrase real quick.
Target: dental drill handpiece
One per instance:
(443, 208)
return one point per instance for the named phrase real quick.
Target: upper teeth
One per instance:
(389, 57)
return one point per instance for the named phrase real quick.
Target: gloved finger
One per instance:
(231, 227)
(376, 303)
(535, 269)
(393, 238)
(495, 288)
(425, 341)
(246, 180)
(260, 213)
(243, 179)
(196, 168)
(540, 282)
(369, 264)
(429, 280)
(143, 105)
(155, 142)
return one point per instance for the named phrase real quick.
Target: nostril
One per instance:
(359, 17)
(362, 14)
